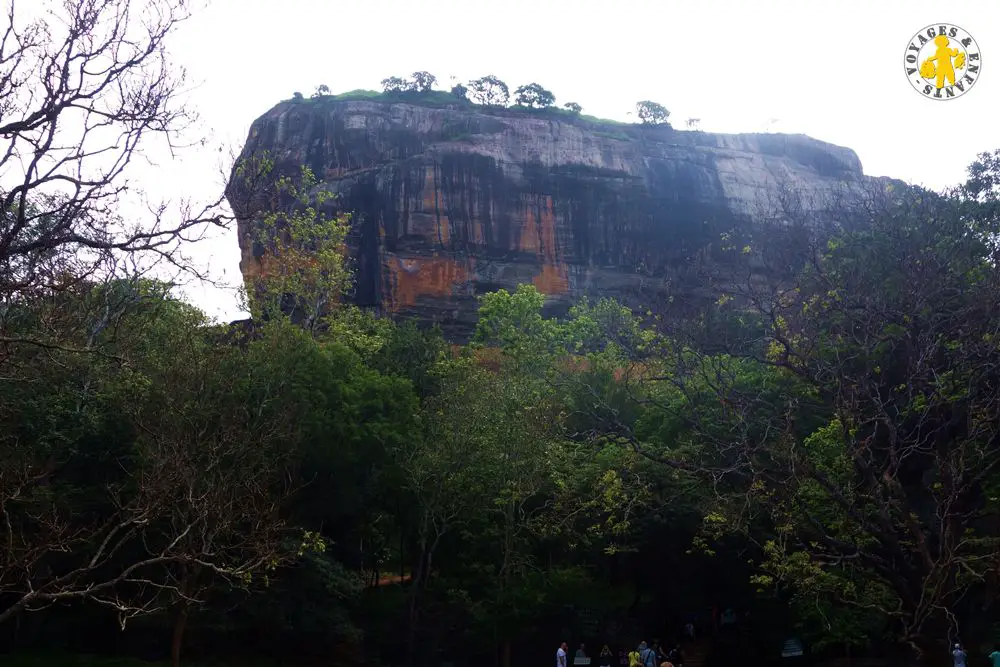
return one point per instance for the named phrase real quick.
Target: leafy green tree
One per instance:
(501, 424)
(460, 91)
(573, 107)
(59, 231)
(651, 113)
(533, 96)
(185, 501)
(301, 268)
(489, 91)
(395, 84)
(321, 90)
(877, 498)
(423, 81)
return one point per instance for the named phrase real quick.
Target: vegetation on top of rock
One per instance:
(651, 113)
(489, 91)
(395, 84)
(458, 97)
(533, 96)
(423, 81)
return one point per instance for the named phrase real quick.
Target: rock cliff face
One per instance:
(450, 203)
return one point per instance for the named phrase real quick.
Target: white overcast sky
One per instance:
(831, 70)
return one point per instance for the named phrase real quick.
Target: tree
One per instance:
(490, 91)
(651, 113)
(183, 504)
(85, 90)
(301, 266)
(901, 483)
(216, 468)
(423, 81)
(321, 90)
(539, 484)
(534, 96)
(693, 123)
(866, 462)
(573, 107)
(460, 91)
(395, 84)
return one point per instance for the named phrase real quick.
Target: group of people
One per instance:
(960, 657)
(657, 654)
(643, 655)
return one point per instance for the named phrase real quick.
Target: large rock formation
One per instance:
(453, 201)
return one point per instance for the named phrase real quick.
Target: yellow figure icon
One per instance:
(944, 68)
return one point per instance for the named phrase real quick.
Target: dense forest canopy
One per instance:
(817, 452)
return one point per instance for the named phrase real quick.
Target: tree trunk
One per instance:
(416, 583)
(188, 585)
(505, 653)
(180, 622)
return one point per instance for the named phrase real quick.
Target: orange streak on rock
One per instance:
(548, 230)
(444, 231)
(430, 199)
(433, 203)
(412, 278)
(554, 279)
(528, 242)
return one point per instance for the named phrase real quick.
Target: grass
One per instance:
(441, 98)
(60, 659)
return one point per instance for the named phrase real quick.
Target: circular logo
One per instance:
(942, 61)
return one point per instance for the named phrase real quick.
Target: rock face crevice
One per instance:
(450, 203)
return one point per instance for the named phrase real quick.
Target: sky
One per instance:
(831, 70)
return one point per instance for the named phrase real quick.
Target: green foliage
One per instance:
(423, 81)
(533, 96)
(514, 320)
(834, 607)
(395, 84)
(840, 464)
(303, 272)
(651, 113)
(489, 91)
(458, 95)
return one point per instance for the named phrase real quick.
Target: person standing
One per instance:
(995, 656)
(647, 655)
(635, 657)
(606, 657)
(658, 651)
(561, 654)
(676, 657)
(959, 656)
